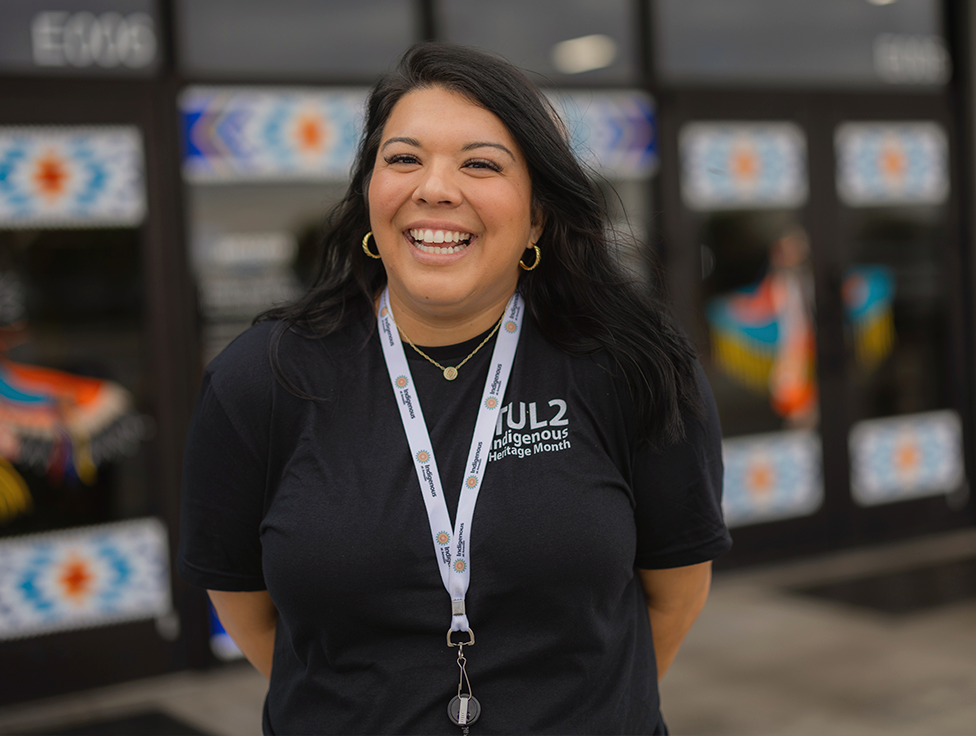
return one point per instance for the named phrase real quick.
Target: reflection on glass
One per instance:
(763, 334)
(252, 246)
(757, 294)
(907, 244)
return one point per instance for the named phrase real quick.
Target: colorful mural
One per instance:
(891, 164)
(61, 425)
(763, 334)
(734, 165)
(71, 177)
(905, 457)
(771, 476)
(83, 577)
(253, 134)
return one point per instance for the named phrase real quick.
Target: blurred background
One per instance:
(803, 172)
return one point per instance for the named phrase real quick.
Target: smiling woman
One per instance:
(332, 473)
(448, 169)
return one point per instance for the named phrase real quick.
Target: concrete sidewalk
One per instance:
(761, 660)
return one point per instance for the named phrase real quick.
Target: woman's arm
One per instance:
(250, 619)
(674, 597)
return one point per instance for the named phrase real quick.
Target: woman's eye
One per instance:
(481, 163)
(401, 158)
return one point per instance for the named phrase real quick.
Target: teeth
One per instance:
(439, 251)
(439, 236)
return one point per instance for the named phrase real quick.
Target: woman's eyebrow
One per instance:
(482, 144)
(408, 141)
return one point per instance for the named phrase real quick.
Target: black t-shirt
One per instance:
(318, 502)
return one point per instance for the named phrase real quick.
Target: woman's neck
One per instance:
(433, 328)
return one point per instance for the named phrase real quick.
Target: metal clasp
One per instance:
(468, 643)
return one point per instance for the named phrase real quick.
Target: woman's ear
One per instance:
(538, 224)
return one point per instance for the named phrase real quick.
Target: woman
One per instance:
(596, 473)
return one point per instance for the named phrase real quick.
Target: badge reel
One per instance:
(464, 708)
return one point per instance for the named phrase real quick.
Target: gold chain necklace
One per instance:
(451, 372)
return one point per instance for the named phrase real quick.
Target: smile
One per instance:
(428, 240)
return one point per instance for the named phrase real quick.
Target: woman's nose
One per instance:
(438, 186)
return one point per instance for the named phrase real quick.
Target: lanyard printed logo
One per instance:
(452, 549)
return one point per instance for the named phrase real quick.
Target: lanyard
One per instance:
(453, 550)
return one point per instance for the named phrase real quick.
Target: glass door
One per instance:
(85, 588)
(810, 248)
(904, 361)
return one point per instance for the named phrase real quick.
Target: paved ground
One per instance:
(760, 660)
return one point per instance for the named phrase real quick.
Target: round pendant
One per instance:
(454, 710)
(450, 373)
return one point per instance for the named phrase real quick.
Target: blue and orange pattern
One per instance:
(71, 177)
(746, 334)
(771, 476)
(733, 165)
(613, 132)
(62, 424)
(904, 457)
(253, 134)
(83, 577)
(886, 164)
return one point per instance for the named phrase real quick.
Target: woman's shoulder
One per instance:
(246, 356)
(271, 352)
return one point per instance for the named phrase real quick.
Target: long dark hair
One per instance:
(579, 296)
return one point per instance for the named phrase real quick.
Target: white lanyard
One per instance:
(453, 551)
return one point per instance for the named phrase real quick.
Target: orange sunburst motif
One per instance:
(51, 176)
(907, 456)
(892, 162)
(76, 578)
(311, 133)
(760, 478)
(744, 164)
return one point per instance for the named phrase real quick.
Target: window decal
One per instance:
(84, 577)
(905, 457)
(773, 476)
(253, 134)
(614, 132)
(734, 165)
(71, 177)
(882, 164)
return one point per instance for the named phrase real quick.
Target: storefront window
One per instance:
(567, 42)
(74, 380)
(905, 441)
(78, 537)
(258, 192)
(746, 184)
(841, 43)
(293, 39)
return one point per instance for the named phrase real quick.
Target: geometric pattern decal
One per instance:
(83, 577)
(771, 476)
(71, 177)
(613, 132)
(891, 164)
(743, 165)
(283, 134)
(899, 458)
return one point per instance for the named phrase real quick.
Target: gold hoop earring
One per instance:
(366, 247)
(538, 257)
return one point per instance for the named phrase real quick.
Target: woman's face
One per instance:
(450, 205)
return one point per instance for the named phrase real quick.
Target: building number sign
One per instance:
(61, 39)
